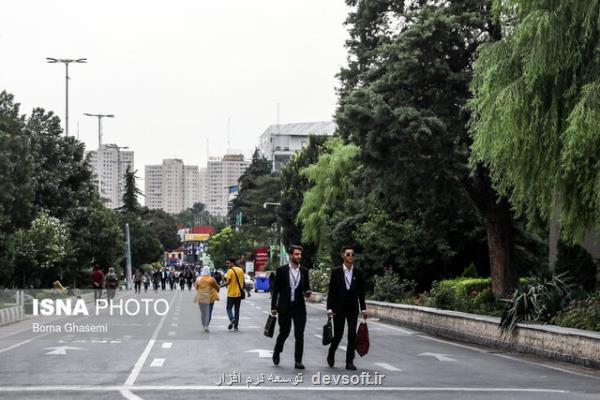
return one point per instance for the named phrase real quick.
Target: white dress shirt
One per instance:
(348, 276)
(294, 280)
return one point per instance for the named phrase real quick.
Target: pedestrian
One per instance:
(137, 280)
(112, 282)
(156, 279)
(345, 300)
(189, 277)
(163, 278)
(146, 281)
(207, 292)
(97, 278)
(290, 288)
(271, 283)
(234, 280)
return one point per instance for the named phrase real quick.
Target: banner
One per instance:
(261, 257)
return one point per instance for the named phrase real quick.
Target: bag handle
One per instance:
(237, 280)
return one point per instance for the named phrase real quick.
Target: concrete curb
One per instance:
(11, 314)
(553, 342)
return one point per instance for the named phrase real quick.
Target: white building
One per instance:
(279, 142)
(109, 165)
(222, 173)
(172, 186)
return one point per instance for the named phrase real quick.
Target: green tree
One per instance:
(227, 243)
(293, 186)
(402, 101)
(164, 228)
(38, 247)
(537, 110)
(130, 196)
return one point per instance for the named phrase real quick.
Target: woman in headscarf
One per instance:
(207, 292)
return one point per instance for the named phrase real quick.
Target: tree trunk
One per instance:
(500, 238)
(496, 212)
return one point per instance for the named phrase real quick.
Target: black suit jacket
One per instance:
(282, 288)
(343, 301)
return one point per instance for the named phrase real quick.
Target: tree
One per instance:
(293, 186)
(402, 101)
(164, 228)
(256, 186)
(38, 247)
(328, 203)
(130, 196)
(227, 243)
(537, 110)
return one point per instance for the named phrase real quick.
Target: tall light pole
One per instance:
(66, 61)
(99, 116)
(100, 160)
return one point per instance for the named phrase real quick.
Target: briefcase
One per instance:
(327, 333)
(270, 326)
(362, 339)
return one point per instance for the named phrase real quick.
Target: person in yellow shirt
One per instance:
(207, 292)
(234, 279)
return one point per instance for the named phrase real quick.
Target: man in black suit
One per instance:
(290, 287)
(345, 300)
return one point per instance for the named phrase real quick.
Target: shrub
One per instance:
(319, 278)
(390, 287)
(582, 314)
(539, 300)
(578, 263)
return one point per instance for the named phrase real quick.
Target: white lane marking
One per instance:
(137, 368)
(174, 325)
(157, 362)
(343, 348)
(16, 345)
(61, 350)
(462, 346)
(171, 333)
(129, 396)
(319, 336)
(438, 356)
(157, 388)
(394, 328)
(175, 318)
(262, 353)
(167, 345)
(388, 367)
(546, 366)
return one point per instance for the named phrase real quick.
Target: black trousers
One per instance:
(285, 326)
(339, 321)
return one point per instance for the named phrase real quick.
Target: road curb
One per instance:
(11, 315)
(563, 344)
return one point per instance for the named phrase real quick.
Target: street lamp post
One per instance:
(100, 160)
(66, 61)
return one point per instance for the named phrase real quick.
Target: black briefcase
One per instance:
(270, 326)
(327, 333)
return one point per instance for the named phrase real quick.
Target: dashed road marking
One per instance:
(171, 333)
(388, 367)
(167, 345)
(157, 362)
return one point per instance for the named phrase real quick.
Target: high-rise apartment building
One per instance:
(109, 165)
(172, 186)
(222, 173)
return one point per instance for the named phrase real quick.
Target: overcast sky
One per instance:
(174, 71)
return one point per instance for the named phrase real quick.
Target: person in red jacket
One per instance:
(97, 278)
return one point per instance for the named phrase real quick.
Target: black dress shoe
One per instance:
(276, 358)
(350, 366)
(330, 360)
(230, 325)
(298, 365)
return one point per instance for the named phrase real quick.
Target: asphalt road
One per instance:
(170, 356)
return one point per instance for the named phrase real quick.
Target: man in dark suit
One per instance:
(290, 287)
(345, 300)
